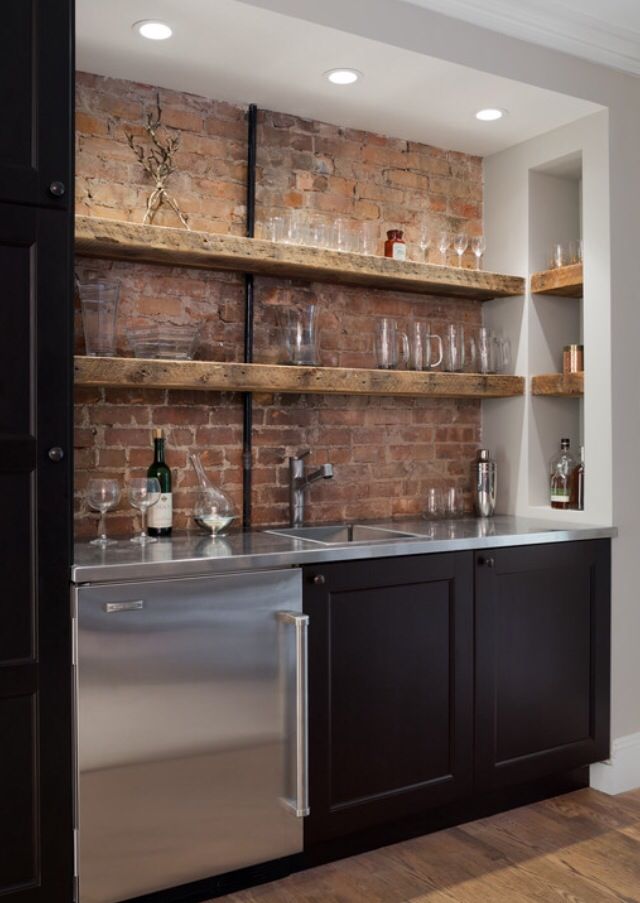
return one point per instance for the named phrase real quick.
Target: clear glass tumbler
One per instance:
(392, 345)
(454, 349)
(299, 334)
(99, 301)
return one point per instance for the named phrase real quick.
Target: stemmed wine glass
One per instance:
(424, 241)
(143, 493)
(479, 246)
(460, 244)
(444, 243)
(102, 496)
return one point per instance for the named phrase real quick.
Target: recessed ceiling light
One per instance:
(343, 76)
(153, 29)
(491, 114)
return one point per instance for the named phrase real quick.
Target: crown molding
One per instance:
(553, 24)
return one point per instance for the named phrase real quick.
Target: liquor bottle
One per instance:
(577, 484)
(160, 515)
(561, 468)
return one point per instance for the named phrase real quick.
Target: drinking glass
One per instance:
(143, 493)
(343, 234)
(454, 502)
(444, 243)
(479, 246)
(299, 334)
(420, 346)
(370, 238)
(99, 301)
(558, 254)
(502, 353)
(485, 351)
(391, 344)
(102, 496)
(316, 232)
(460, 245)
(454, 349)
(434, 503)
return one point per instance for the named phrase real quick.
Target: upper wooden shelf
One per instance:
(179, 247)
(235, 377)
(563, 281)
(558, 385)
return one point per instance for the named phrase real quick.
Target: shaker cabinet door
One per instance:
(35, 654)
(390, 687)
(35, 102)
(542, 660)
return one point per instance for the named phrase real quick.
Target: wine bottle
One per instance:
(160, 515)
(560, 469)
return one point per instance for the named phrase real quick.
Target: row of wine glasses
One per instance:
(104, 494)
(459, 241)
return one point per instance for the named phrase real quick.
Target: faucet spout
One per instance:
(323, 473)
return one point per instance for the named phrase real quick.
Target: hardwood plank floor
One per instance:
(580, 848)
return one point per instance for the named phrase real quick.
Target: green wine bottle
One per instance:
(160, 515)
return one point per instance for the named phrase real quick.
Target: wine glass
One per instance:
(444, 243)
(424, 241)
(143, 493)
(102, 495)
(460, 245)
(479, 246)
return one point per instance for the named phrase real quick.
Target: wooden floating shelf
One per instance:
(180, 247)
(564, 281)
(275, 378)
(558, 385)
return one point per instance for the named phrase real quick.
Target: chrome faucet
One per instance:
(298, 482)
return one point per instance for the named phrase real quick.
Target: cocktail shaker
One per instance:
(485, 484)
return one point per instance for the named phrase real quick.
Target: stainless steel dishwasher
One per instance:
(191, 729)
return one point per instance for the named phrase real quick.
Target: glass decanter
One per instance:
(213, 510)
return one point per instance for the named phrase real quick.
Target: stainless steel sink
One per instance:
(341, 534)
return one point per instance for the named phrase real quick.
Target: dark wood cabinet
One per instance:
(35, 102)
(36, 799)
(542, 660)
(438, 683)
(390, 688)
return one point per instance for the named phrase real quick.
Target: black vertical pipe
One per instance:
(247, 400)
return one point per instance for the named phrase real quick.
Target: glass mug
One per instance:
(421, 351)
(392, 345)
(455, 351)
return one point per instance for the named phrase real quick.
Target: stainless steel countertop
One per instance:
(191, 554)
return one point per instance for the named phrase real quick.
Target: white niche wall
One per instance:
(552, 188)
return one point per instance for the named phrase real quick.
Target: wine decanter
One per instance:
(213, 510)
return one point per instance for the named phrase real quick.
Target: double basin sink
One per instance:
(343, 533)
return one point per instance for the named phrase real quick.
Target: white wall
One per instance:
(413, 28)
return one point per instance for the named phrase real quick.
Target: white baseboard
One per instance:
(622, 771)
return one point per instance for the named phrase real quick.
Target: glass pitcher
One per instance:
(213, 510)
(99, 302)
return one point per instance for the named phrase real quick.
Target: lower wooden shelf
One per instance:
(564, 281)
(558, 385)
(237, 377)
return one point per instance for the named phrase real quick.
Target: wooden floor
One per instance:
(580, 848)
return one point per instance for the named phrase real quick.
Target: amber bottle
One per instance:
(395, 245)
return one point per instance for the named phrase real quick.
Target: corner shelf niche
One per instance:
(565, 282)
(179, 247)
(238, 377)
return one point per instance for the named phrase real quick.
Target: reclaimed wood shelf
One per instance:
(236, 377)
(558, 385)
(566, 282)
(179, 247)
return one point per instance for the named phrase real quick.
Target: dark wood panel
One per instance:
(19, 835)
(17, 612)
(542, 660)
(36, 67)
(390, 690)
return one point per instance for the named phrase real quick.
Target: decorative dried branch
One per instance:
(157, 161)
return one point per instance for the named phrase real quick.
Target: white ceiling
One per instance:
(232, 51)
(603, 31)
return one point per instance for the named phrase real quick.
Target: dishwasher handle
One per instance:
(301, 623)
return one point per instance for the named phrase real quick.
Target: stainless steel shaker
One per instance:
(485, 484)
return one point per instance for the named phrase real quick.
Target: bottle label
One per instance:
(160, 515)
(399, 251)
(560, 495)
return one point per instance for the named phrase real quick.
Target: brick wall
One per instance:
(386, 451)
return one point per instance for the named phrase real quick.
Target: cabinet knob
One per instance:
(487, 562)
(57, 189)
(318, 580)
(56, 453)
